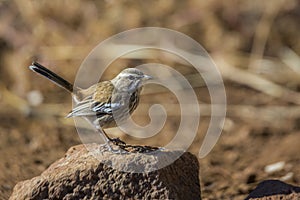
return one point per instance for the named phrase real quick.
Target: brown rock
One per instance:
(100, 175)
(274, 189)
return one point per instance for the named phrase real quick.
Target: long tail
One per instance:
(40, 69)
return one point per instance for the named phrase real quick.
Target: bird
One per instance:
(105, 104)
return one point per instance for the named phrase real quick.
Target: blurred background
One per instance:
(255, 44)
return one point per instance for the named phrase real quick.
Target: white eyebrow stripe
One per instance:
(124, 75)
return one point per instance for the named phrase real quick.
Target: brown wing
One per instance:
(95, 100)
(103, 92)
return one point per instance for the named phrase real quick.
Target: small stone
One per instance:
(275, 167)
(274, 189)
(35, 97)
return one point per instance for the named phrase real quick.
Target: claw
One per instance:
(119, 151)
(118, 142)
(116, 146)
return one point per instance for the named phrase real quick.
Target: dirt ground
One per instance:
(255, 44)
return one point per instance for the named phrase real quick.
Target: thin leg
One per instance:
(103, 134)
(113, 141)
(108, 141)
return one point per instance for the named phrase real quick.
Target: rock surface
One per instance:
(274, 189)
(104, 175)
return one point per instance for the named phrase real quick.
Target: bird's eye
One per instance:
(131, 77)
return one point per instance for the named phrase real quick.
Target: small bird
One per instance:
(103, 104)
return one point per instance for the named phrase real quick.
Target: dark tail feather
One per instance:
(38, 68)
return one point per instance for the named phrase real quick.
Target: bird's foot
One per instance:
(116, 146)
(140, 149)
(117, 141)
(115, 149)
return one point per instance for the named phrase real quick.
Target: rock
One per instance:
(274, 189)
(100, 174)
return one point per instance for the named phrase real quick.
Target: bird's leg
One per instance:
(105, 137)
(115, 141)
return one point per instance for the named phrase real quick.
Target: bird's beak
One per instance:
(147, 77)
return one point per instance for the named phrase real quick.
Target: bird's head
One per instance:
(130, 79)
